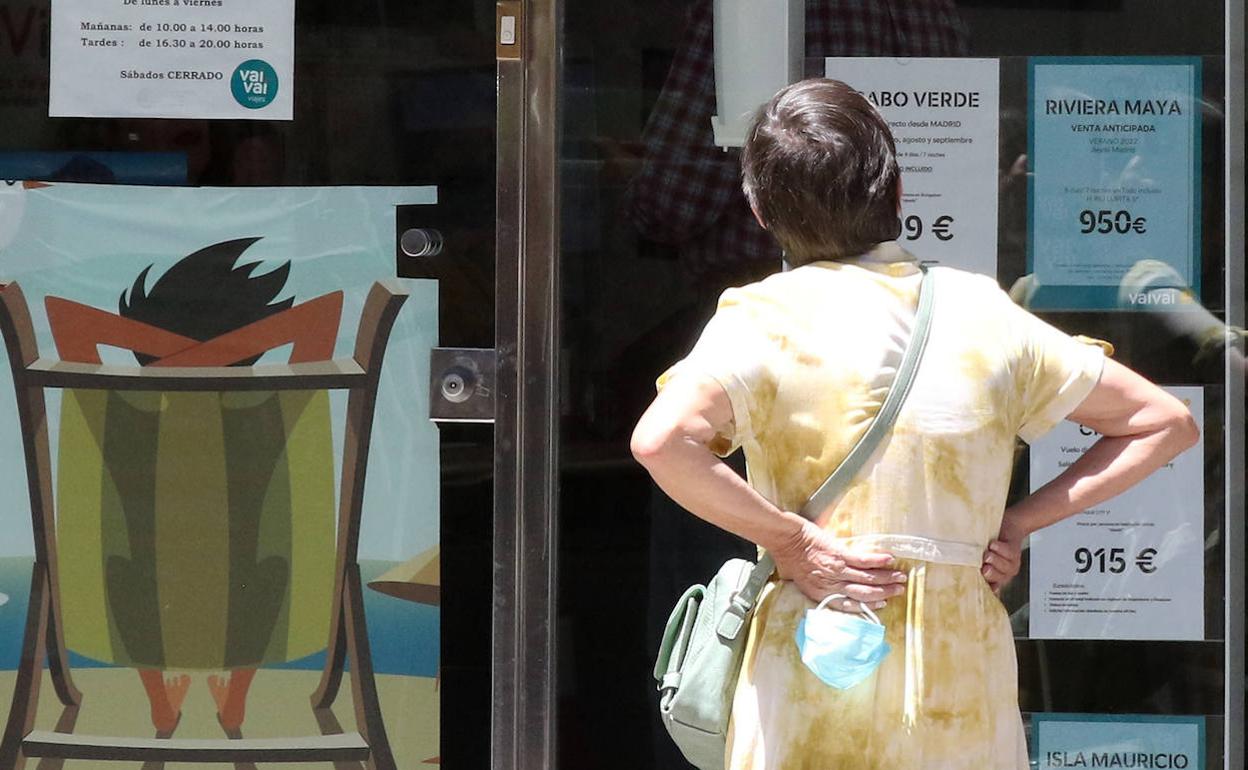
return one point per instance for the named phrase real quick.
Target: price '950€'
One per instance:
(1109, 222)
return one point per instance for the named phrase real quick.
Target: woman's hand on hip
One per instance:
(820, 566)
(1002, 560)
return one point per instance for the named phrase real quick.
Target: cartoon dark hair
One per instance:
(204, 295)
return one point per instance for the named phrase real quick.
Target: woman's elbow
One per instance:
(1180, 427)
(1187, 432)
(649, 442)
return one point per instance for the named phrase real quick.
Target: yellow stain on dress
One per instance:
(781, 340)
(764, 393)
(807, 359)
(942, 461)
(995, 397)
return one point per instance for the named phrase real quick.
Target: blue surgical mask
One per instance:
(841, 648)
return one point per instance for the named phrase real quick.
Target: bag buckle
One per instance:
(670, 681)
(737, 602)
(733, 619)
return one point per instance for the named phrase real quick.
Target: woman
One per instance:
(793, 369)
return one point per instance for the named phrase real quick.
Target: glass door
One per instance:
(654, 228)
(248, 260)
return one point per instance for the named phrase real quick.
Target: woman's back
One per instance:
(806, 358)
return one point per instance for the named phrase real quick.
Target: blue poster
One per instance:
(1118, 740)
(1114, 192)
(141, 168)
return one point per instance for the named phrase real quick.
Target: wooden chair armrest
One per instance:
(335, 374)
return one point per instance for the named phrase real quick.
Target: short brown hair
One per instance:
(820, 168)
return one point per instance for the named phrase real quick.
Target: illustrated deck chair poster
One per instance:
(214, 440)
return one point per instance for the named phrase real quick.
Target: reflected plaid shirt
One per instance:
(688, 191)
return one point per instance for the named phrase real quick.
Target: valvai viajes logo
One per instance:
(1160, 298)
(254, 84)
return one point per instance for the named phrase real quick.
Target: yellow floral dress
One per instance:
(806, 358)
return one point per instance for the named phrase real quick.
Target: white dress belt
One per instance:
(920, 548)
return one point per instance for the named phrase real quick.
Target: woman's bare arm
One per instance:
(672, 441)
(1142, 428)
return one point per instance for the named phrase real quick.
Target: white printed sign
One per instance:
(943, 113)
(1131, 568)
(173, 59)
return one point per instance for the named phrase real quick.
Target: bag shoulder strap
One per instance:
(743, 600)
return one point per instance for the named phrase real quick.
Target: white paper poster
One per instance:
(943, 113)
(1131, 568)
(173, 59)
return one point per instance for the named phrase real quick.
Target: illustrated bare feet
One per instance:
(166, 697)
(220, 688)
(230, 695)
(176, 687)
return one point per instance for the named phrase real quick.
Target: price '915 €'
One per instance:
(1113, 560)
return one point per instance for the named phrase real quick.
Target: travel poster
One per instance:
(1117, 740)
(1133, 566)
(203, 585)
(943, 115)
(1114, 148)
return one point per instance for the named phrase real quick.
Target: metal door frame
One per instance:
(1233, 592)
(526, 431)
